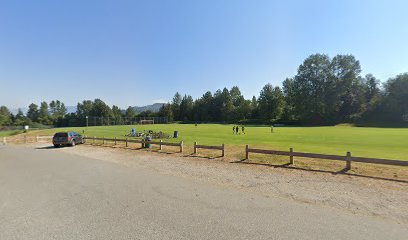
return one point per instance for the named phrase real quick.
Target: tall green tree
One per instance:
(186, 108)
(117, 115)
(166, 111)
(33, 112)
(130, 113)
(289, 112)
(101, 110)
(43, 114)
(175, 105)
(5, 116)
(271, 103)
(85, 108)
(20, 119)
(395, 105)
(57, 109)
(345, 94)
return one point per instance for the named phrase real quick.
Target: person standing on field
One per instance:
(243, 129)
(236, 130)
(233, 130)
(271, 128)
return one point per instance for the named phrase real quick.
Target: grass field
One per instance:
(391, 143)
(9, 133)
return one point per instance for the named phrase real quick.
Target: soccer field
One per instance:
(391, 143)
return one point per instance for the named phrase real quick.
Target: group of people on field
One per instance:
(235, 130)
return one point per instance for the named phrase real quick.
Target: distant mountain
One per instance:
(153, 107)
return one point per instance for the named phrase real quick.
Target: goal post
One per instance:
(146, 122)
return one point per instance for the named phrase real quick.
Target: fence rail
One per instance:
(25, 139)
(197, 146)
(348, 158)
(141, 141)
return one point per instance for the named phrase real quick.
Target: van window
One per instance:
(62, 134)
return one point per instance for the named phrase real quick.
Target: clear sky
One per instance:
(140, 52)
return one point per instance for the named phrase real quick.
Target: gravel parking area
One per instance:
(359, 195)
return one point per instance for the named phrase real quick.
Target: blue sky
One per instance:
(140, 52)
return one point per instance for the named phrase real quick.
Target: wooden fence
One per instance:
(222, 148)
(348, 158)
(26, 139)
(141, 141)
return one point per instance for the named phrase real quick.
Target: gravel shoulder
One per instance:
(362, 196)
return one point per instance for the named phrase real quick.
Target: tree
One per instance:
(84, 109)
(395, 107)
(175, 105)
(5, 116)
(289, 113)
(165, 111)
(373, 98)
(58, 109)
(130, 113)
(43, 114)
(102, 110)
(186, 108)
(325, 90)
(239, 104)
(117, 115)
(204, 108)
(20, 119)
(345, 94)
(271, 103)
(33, 112)
(310, 86)
(254, 107)
(62, 111)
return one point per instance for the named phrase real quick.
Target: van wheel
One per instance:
(56, 145)
(73, 144)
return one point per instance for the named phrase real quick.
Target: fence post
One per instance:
(181, 146)
(36, 138)
(246, 152)
(195, 147)
(94, 140)
(348, 159)
(25, 138)
(126, 142)
(291, 156)
(160, 145)
(115, 140)
(223, 150)
(103, 140)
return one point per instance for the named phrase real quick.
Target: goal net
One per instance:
(146, 121)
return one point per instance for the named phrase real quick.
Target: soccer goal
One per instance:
(146, 122)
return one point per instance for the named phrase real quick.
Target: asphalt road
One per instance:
(53, 195)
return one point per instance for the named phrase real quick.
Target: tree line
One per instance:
(55, 114)
(324, 91)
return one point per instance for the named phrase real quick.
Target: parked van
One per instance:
(67, 139)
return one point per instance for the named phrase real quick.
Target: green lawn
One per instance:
(389, 143)
(9, 133)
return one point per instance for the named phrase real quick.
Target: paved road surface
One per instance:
(53, 195)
